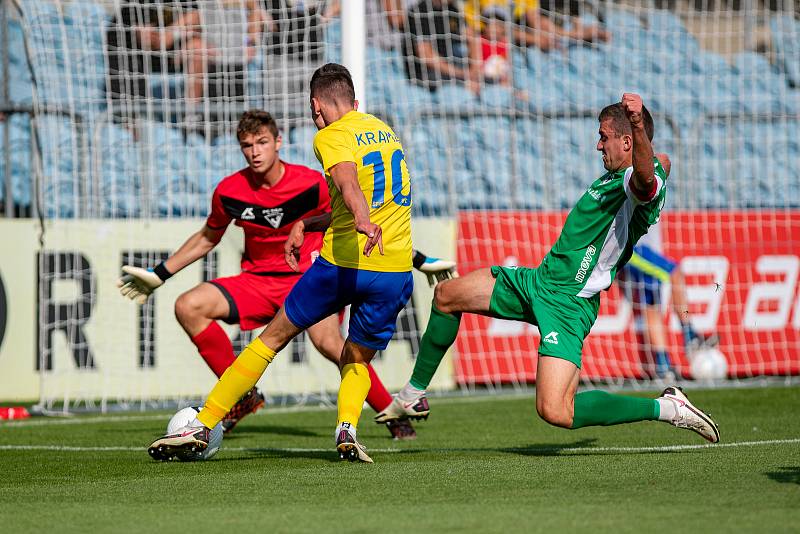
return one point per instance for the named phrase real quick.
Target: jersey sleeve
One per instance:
(649, 195)
(332, 146)
(218, 218)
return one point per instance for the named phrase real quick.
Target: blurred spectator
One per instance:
(295, 48)
(209, 41)
(224, 38)
(439, 46)
(297, 31)
(495, 60)
(385, 19)
(533, 27)
(142, 39)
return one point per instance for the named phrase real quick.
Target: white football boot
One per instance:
(415, 409)
(184, 444)
(348, 446)
(689, 416)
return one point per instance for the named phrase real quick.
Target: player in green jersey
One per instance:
(562, 295)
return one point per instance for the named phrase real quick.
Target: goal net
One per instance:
(128, 111)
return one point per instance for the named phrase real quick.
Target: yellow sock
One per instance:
(353, 392)
(237, 380)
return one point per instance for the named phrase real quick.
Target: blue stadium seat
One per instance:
(705, 62)
(455, 95)
(302, 136)
(227, 158)
(665, 21)
(497, 96)
(618, 19)
(333, 41)
(115, 168)
(67, 54)
(786, 43)
(20, 173)
(531, 179)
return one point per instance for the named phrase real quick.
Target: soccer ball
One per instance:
(708, 364)
(186, 416)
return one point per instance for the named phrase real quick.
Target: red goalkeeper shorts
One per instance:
(254, 299)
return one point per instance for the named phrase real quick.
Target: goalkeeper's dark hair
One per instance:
(620, 123)
(255, 120)
(332, 82)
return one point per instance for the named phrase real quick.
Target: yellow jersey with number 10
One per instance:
(383, 177)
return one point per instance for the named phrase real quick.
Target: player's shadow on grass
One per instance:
(549, 449)
(786, 475)
(276, 430)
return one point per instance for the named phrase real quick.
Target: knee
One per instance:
(557, 413)
(443, 297)
(188, 306)
(329, 348)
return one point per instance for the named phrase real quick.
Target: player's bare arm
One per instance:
(198, 245)
(643, 180)
(345, 178)
(137, 283)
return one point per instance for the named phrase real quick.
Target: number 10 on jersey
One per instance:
(396, 177)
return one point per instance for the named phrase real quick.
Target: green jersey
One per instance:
(599, 234)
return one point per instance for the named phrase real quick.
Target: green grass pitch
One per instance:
(480, 464)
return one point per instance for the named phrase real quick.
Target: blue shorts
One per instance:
(375, 298)
(644, 273)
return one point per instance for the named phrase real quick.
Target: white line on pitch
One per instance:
(550, 449)
(269, 410)
(80, 420)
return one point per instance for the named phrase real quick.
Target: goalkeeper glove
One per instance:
(137, 284)
(435, 269)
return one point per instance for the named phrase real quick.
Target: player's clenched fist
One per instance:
(632, 103)
(137, 283)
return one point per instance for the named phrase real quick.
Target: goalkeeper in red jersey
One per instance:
(265, 199)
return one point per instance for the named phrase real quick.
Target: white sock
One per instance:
(668, 410)
(410, 393)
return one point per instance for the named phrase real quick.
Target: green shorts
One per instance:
(564, 321)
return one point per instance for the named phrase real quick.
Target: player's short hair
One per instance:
(255, 120)
(333, 82)
(619, 120)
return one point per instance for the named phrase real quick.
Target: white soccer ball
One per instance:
(709, 364)
(186, 416)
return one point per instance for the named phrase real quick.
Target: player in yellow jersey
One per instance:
(365, 262)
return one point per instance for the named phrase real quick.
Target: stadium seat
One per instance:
(302, 136)
(711, 63)
(20, 173)
(531, 179)
(67, 54)
(617, 19)
(333, 41)
(115, 168)
(453, 94)
(63, 174)
(785, 31)
(498, 96)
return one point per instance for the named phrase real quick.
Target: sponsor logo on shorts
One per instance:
(551, 338)
(585, 263)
